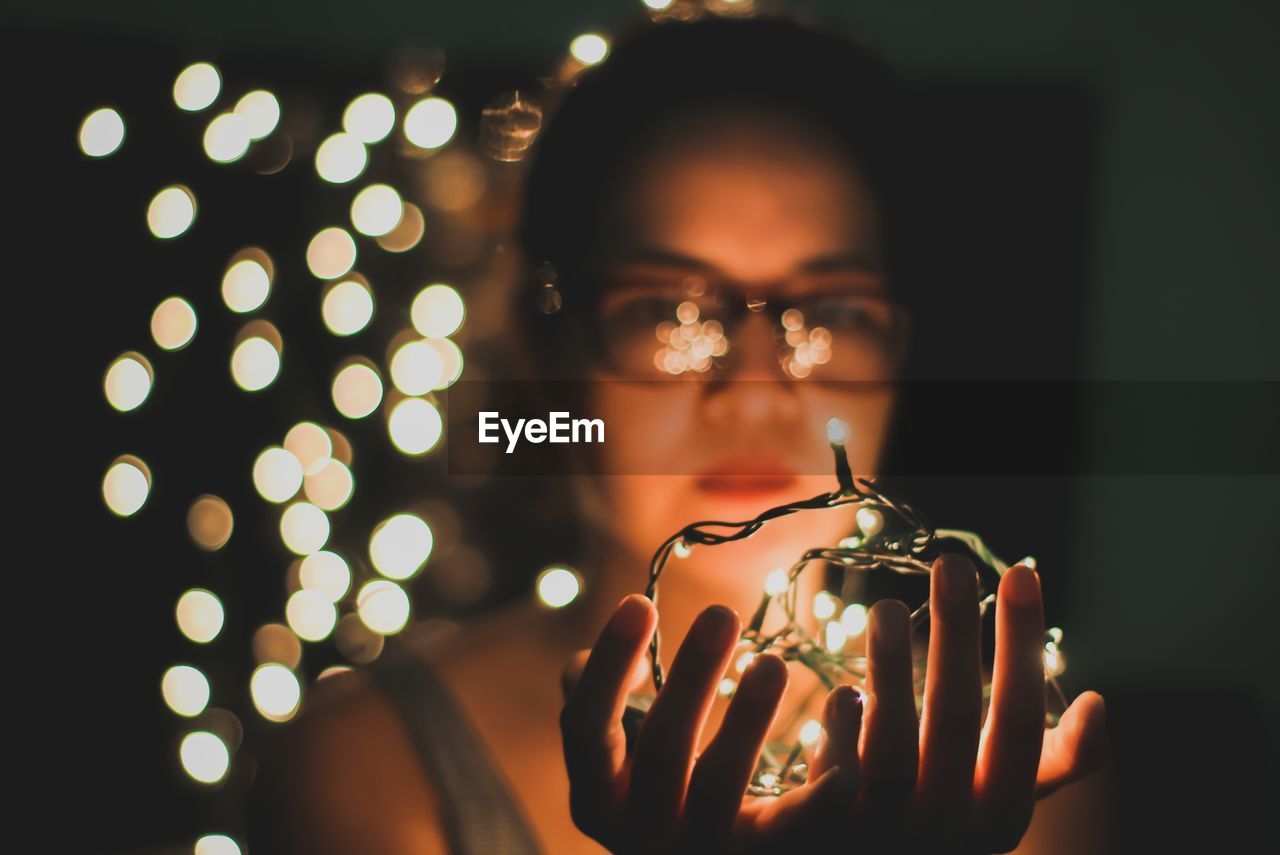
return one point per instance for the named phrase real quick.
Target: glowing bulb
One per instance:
(199, 615)
(558, 586)
(400, 545)
(209, 522)
(216, 844)
(744, 660)
(347, 308)
(681, 549)
(341, 158)
(204, 756)
(128, 381)
(589, 48)
(727, 687)
(260, 111)
(824, 605)
(417, 368)
(369, 118)
(383, 606)
(171, 212)
(173, 323)
(101, 132)
(1028, 562)
(255, 364)
(325, 573)
(415, 426)
(227, 138)
(246, 285)
(311, 444)
(834, 636)
(357, 390)
(197, 87)
(331, 487)
(451, 356)
(870, 521)
(185, 690)
(275, 691)
(776, 582)
(658, 5)
(304, 528)
(377, 210)
(331, 253)
(854, 619)
(837, 432)
(277, 475)
(310, 615)
(437, 311)
(768, 780)
(430, 123)
(1054, 662)
(810, 732)
(126, 486)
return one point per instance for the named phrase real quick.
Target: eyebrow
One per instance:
(840, 262)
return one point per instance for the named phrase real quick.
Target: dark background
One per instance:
(1106, 186)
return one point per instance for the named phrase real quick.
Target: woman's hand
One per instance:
(884, 781)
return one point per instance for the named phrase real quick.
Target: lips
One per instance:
(746, 475)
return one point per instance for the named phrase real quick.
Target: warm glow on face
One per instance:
(246, 285)
(415, 426)
(331, 487)
(383, 607)
(400, 546)
(310, 614)
(369, 118)
(357, 390)
(437, 311)
(331, 253)
(304, 528)
(276, 691)
(185, 690)
(341, 158)
(347, 308)
(126, 486)
(199, 615)
(171, 212)
(209, 522)
(173, 323)
(204, 757)
(260, 111)
(101, 132)
(377, 210)
(128, 381)
(558, 586)
(255, 364)
(277, 475)
(227, 138)
(197, 87)
(430, 123)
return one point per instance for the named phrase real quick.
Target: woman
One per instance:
(736, 177)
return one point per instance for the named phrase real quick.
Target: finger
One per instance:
(641, 674)
(591, 721)
(724, 769)
(1076, 747)
(1009, 753)
(664, 750)
(952, 714)
(810, 815)
(841, 726)
(890, 731)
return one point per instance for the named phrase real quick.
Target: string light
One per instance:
(128, 381)
(197, 86)
(260, 111)
(101, 132)
(347, 307)
(205, 757)
(430, 123)
(171, 212)
(370, 118)
(558, 586)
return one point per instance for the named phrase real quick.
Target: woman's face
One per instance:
(714, 221)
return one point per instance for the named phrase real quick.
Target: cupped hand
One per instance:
(883, 780)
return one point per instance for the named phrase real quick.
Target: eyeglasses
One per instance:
(690, 329)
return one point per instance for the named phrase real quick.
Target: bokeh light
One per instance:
(430, 123)
(406, 235)
(199, 615)
(377, 210)
(347, 307)
(209, 522)
(331, 487)
(255, 364)
(400, 545)
(260, 111)
(331, 253)
(216, 844)
(341, 158)
(304, 528)
(310, 444)
(276, 691)
(128, 381)
(310, 615)
(415, 426)
(326, 573)
(450, 357)
(101, 132)
(196, 87)
(589, 48)
(171, 212)
(246, 285)
(370, 117)
(383, 606)
(227, 138)
(437, 311)
(357, 390)
(205, 757)
(274, 642)
(173, 323)
(185, 690)
(126, 485)
(558, 586)
(417, 368)
(355, 640)
(277, 475)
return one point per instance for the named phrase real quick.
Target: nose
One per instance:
(753, 392)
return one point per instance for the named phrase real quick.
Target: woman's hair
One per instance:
(668, 75)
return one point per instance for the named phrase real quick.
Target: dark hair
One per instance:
(667, 73)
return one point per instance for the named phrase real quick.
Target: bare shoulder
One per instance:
(343, 777)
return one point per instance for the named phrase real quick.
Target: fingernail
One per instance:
(889, 621)
(955, 578)
(715, 629)
(632, 615)
(1021, 585)
(765, 677)
(846, 699)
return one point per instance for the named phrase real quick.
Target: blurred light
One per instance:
(824, 605)
(204, 756)
(101, 132)
(173, 323)
(260, 111)
(227, 138)
(810, 731)
(370, 117)
(437, 311)
(185, 690)
(400, 545)
(333, 671)
(356, 641)
(347, 307)
(216, 844)
(406, 235)
(558, 586)
(415, 426)
(837, 431)
(341, 158)
(357, 390)
(310, 614)
(126, 485)
(199, 615)
(854, 618)
(276, 692)
(331, 487)
(430, 123)
(776, 582)
(451, 356)
(209, 522)
(416, 368)
(310, 443)
(383, 606)
(658, 5)
(589, 48)
(197, 87)
(275, 642)
(171, 212)
(128, 381)
(255, 364)
(246, 285)
(377, 210)
(277, 475)
(304, 528)
(325, 573)
(834, 636)
(455, 180)
(870, 521)
(331, 253)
